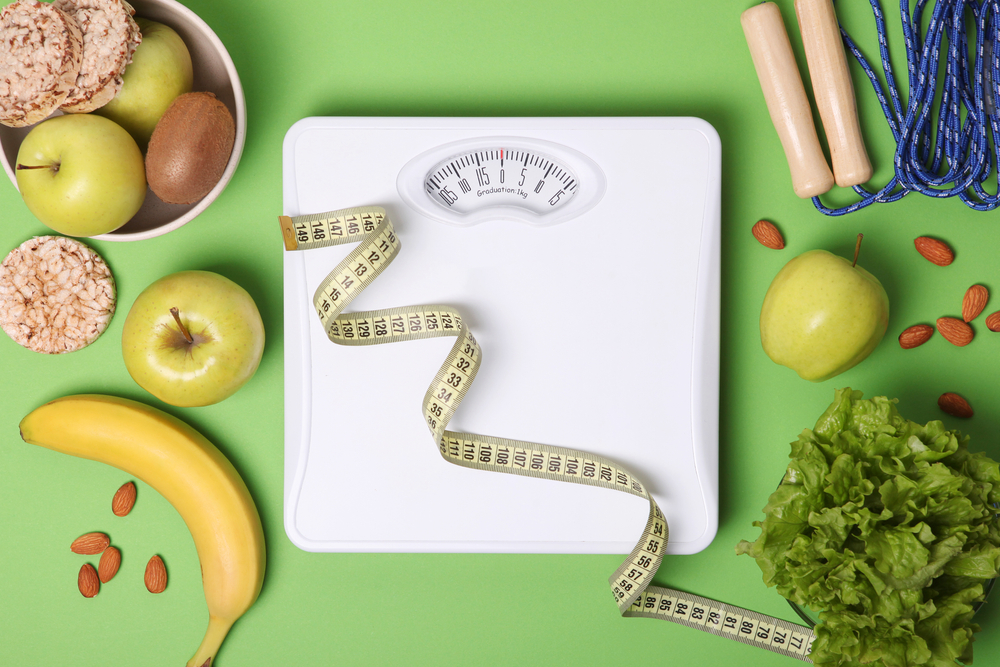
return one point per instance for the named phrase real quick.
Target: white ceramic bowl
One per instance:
(213, 72)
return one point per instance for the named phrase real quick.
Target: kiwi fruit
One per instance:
(190, 148)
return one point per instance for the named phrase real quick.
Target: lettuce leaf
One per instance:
(890, 528)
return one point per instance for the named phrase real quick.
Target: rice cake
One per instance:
(56, 295)
(110, 36)
(41, 48)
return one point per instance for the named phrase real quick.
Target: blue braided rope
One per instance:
(953, 156)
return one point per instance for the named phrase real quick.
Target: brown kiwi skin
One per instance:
(190, 148)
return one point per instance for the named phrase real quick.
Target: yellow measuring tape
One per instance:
(630, 583)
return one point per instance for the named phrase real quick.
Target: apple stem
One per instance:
(184, 331)
(857, 249)
(34, 166)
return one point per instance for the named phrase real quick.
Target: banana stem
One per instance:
(217, 631)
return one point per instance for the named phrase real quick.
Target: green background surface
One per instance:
(439, 57)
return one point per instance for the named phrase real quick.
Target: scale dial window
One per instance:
(484, 179)
(501, 177)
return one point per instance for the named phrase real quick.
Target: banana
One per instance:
(190, 472)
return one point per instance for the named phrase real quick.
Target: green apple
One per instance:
(192, 338)
(822, 315)
(80, 174)
(160, 71)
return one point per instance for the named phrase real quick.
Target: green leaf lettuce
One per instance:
(886, 526)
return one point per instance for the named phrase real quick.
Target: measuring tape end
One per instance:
(288, 232)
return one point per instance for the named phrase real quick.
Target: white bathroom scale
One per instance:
(584, 255)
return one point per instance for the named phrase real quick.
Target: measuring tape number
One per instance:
(630, 583)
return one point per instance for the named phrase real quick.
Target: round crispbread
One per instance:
(56, 295)
(40, 53)
(110, 36)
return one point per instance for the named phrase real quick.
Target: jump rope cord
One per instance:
(963, 146)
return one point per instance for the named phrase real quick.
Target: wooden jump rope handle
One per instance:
(834, 91)
(786, 99)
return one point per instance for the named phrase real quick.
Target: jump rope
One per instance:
(954, 156)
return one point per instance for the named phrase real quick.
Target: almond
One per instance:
(916, 335)
(955, 405)
(156, 575)
(974, 302)
(993, 321)
(111, 560)
(934, 250)
(955, 331)
(90, 544)
(87, 581)
(768, 235)
(124, 499)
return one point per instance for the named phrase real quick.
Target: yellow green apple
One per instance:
(822, 315)
(160, 71)
(81, 174)
(193, 338)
